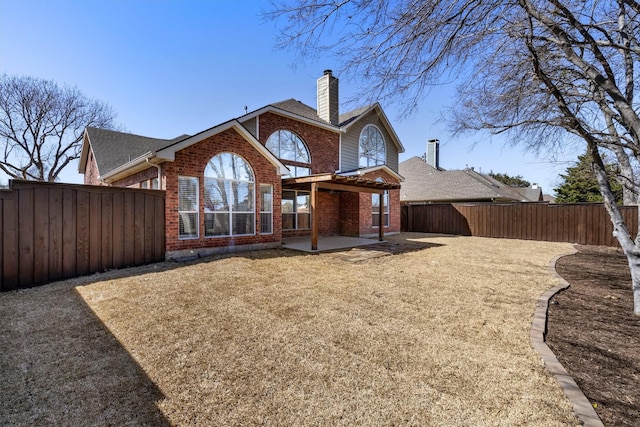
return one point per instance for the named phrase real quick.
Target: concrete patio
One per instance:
(326, 243)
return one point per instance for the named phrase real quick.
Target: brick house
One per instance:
(283, 170)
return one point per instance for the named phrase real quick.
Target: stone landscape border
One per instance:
(581, 405)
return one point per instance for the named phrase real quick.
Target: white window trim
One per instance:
(231, 212)
(288, 161)
(384, 146)
(295, 210)
(197, 211)
(270, 211)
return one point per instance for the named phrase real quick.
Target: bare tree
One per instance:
(41, 126)
(546, 72)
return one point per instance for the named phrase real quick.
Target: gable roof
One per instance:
(300, 111)
(112, 149)
(363, 171)
(424, 183)
(168, 152)
(119, 154)
(531, 193)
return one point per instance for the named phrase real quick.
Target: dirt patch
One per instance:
(595, 335)
(377, 250)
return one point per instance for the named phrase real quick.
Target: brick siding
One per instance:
(133, 181)
(345, 213)
(323, 145)
(192, 161)
(91, 172)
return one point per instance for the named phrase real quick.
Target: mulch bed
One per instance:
(595, 335)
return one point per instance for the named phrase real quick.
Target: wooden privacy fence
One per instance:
(56, 231)
(584, 223)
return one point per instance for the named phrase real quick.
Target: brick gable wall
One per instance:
(324, 145)
(91, 172)
(192, 161)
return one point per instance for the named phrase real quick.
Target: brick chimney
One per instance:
(328, 98)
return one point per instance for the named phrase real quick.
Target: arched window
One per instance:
(286, 145)
(371, 150)
(229, 196)
(375, 208)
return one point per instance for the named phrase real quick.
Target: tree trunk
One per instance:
(620, 230)
(634, 267)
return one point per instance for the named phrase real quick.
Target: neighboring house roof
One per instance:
(533, 194)
(424, 183)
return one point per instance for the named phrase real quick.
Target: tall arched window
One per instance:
(289, 147)
(371, 149)
(229, 196)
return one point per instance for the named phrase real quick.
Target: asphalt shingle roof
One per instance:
(424, 183)
(113, 149)
(301, 109)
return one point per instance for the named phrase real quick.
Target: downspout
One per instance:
(159, 172)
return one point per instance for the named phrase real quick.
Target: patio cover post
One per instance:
(314, 217)
(381, 218)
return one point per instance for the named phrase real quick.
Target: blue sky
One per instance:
(170, 67)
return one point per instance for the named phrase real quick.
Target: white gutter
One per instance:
(159, 171)
(135, 162)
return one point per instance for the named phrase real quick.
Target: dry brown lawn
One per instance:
(433, 337)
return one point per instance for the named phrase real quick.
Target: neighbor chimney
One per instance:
(433, 153)
(328, 98)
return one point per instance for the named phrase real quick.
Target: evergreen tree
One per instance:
(580, 183)
(511, 181)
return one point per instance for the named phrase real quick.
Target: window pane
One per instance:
(229, 196)
(243, 196)
(266, 208)
(243, 223)
(304, 221)
(229, 166)
(273, 143)
(286, 145)
(300, 171)
(266, 198)
(302, 202)
(371, 147)
(374, 219)
(187, 194)
(188, 225)
(216, 195)
(288, 198)
(241, 169)
(266, 221)
(375, 207)
(216, 224)
(375, 202)
(288, 221)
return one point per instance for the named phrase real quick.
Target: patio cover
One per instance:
(335, 182)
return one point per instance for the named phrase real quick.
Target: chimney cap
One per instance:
(325, 72)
